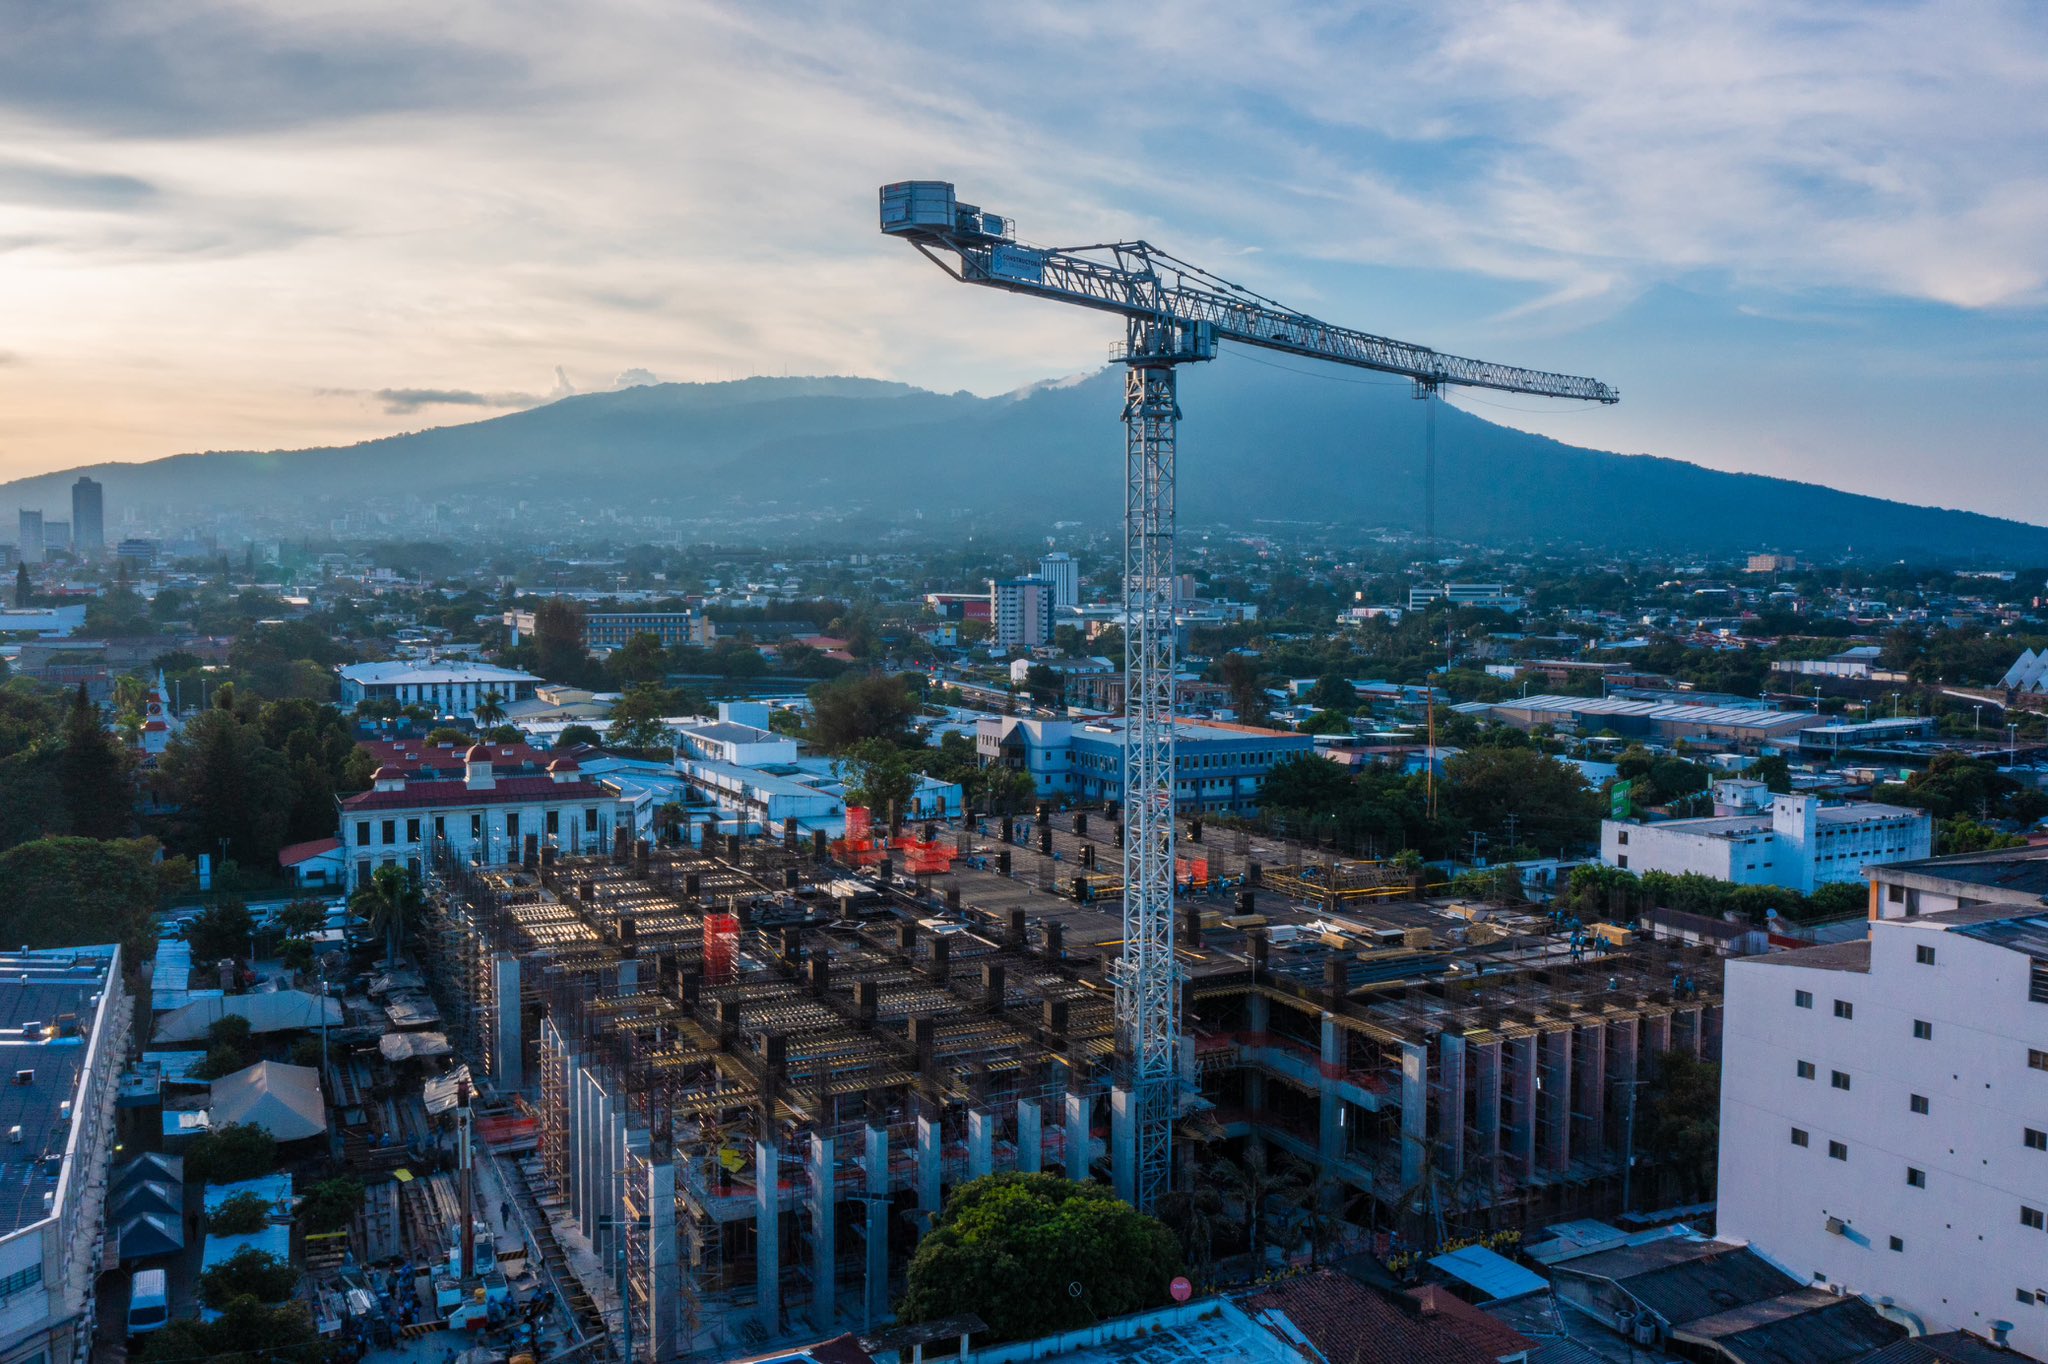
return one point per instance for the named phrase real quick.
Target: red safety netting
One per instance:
(927, 858)
(721, 948)
(1191, 871)
(859, 848)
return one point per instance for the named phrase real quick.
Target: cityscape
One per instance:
(825, 867)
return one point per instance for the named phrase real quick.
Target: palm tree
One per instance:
(1195, 1216)
(489, 711)
(392, 903)
(1252, 1179)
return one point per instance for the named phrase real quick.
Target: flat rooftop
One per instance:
(59, 992)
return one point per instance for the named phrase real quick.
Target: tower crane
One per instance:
(1174, 314)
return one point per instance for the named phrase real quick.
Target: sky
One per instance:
(1801, 238)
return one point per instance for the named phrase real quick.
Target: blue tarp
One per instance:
(1491, 1273)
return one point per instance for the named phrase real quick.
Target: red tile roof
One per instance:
(295, 853)
(505, 791)
(412, 756)
(1470, 1322)
(1352, 1324)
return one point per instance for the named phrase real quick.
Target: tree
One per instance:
(558, 652)
(241, 1215)
(246, 1329)
(490, 709)
(230, 1154)
(578, 736)
(1009, 1247)
(1250, 1181)
(447, 734)
(639, 716)
(639, 659)
(1326, 722)
(77, 892)
(1247, 695)
(1549, 800)
(880, 777)
(93, 774)
(248, 1273)
(301, 917)
(1773, 771)
(1333, 691)
(221, 930)
(861, 706)
(1678, 1123)
(330, 1205)
(392, 903)
(238, 792)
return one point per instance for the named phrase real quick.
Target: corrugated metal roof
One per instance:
(1490, 1272)
(2027, 935)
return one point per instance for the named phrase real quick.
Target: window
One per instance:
(1806, 1070)
(1844, 1009)
(2025, 1295)
(2031, 1217)
(1799, 1136)
(21, 1279)
(2035, 1139)
(1916, 1178)
(1924, 955)
(362, 833)
(476, 827)
(2037, 1059)
(1923, 1031)
(1802, 999)
(390, 831)
(512, 831)
(1621, 861)
(440, 826)
(1622, 838)
(590, 818)
(1837, 1151)
(554, 825)
(2037, 983)
(1918, 1103)
(1839, 1079)
(412, 831)
(1896, 894)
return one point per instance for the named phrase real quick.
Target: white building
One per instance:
(1020, 613)
(1798, 843)
(448, 689)
(1221, 766)
(482, 803)
(1061, 570)
(1884, 1103)
(66, 1039)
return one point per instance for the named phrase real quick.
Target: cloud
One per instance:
(634, 378)
(50, 186)
(400, 400)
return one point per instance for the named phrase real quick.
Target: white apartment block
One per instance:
(1884, 1103)
(1063, 571)
(1797, 843)
(1020, 613)
(448, 689)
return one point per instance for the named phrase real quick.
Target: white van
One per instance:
(149, 1303)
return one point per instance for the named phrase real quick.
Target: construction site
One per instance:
(757, 1067)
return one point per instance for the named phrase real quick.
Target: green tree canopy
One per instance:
(93, 772)
(247, 1329)
(229, 1154)
(76, 892)
(880, 777)
(1009, 1247)
(240, 1215)
(637, 716)
(392, 902)
(221, 930)
(330, 1204)
(248, 1273)
(573, 736)
(1333, 691)
(1549, 800)
(861, 706)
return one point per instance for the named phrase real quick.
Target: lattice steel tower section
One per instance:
(1174, 313)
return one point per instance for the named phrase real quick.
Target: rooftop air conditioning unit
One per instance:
(1837, 1227)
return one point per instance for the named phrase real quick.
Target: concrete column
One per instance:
(824, 1233)
(1259, 1014)
(665, 1302)
(508, 1056)
(1030, 1137)
(1484, 1060)
(1589, 1090)
(981, 1136)
(1621, 1078)
(931, 1154)
(1414, 1111)
(1555, 1139)
(1123, 1142)
(1077, 1137)
(612, 1171)
(1656, 1040)
(1687, 1030)
(585, 1162)
(875, 1166)
(1451, 1101)
(1330, 1124)
(1521, 1063)
(768, 1233)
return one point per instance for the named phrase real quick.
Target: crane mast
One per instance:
(1174, 314)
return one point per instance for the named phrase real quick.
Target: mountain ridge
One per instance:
(1258, 443)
